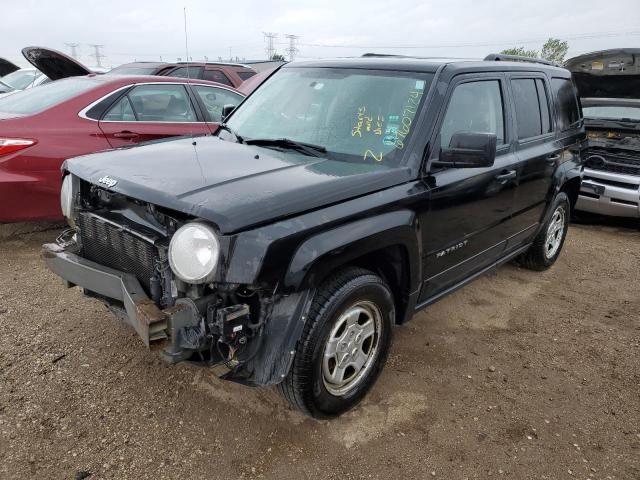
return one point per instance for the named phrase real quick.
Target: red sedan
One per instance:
(41, 127)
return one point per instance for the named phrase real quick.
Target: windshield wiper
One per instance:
(226, 127)
(286, 143)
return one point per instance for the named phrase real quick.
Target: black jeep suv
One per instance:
(337, 200)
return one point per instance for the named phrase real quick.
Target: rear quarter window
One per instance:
(564, 93)
(244, 74)
(35, 100)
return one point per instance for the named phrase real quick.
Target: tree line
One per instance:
(553, 50)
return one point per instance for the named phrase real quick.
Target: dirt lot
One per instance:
(519, 375)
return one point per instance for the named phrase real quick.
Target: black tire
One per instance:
(305, 386)
(537, 256)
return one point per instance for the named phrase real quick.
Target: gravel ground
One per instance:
(519, 375)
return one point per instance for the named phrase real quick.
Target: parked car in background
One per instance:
(609, 85)
(21, 80)
(338, 199)
(49, 65)
(42, 127)
(230, 74)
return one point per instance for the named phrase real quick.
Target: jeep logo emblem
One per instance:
(108, 181)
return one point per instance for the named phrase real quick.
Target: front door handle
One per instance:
(506, 176)
(126, 135)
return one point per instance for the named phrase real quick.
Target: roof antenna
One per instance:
(186, 48)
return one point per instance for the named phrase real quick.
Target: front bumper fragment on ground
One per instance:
(151, 323)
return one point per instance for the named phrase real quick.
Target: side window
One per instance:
(185, 72)
(245, 74)
(161, 103)
(215, 98)
(566, 102)
(474, 107)
(121, 111)
(528, 118)
(543, 98)
(216, 76)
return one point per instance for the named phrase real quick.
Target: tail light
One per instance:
(10, 145)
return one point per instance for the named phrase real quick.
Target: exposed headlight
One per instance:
(66, 197)
(193, 253)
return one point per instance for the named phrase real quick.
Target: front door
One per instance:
(150, 112)
(470, 208)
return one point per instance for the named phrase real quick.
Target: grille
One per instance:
(112, 246)
(612, 162)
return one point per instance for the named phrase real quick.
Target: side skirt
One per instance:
(497, 263)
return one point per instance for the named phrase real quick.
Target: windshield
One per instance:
(37, 99)
(612, 112)
(356, 115)
(20, 79)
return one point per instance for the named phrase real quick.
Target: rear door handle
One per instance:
(126, 134)
(506, 176)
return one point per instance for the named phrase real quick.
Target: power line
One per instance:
(292, 50)
(73, 47)
(476, 44)
(270, 38)
(98, 54)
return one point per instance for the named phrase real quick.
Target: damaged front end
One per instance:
(119, 251)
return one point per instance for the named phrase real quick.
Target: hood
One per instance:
(54, 64)
(607, 73)
(225, 183)
(6, 67)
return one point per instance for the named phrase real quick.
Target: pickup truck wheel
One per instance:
(547, 245)
(344, 344)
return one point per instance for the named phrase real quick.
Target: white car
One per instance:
(21, 80)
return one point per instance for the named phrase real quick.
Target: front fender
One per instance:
(320, 254)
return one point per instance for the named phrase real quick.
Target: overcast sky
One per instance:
(154, 29)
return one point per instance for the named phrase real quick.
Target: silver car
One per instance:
(609, 85)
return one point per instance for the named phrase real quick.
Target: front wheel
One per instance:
(547, 245)
(344, 345)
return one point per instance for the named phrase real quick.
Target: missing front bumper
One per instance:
(151, 323)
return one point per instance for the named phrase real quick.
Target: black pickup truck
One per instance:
(338, 199)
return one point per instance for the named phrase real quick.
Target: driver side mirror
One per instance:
(226, 111)
(468, 150)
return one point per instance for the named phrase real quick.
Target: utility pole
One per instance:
(73, 46)
(270, 38)
(98, 54)
(292, 50)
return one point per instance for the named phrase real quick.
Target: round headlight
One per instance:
(193, 253)
(66, 196)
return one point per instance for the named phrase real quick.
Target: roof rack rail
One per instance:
(383, 55)
(501, 57)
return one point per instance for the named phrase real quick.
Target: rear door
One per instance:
(470, 210)
(150, 112)
(537, 149)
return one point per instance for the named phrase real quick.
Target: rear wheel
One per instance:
(547, 245)
(344, 345)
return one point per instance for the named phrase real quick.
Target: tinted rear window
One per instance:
(566, 102)
(35, 100)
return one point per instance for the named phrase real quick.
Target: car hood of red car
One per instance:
(233, 185)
